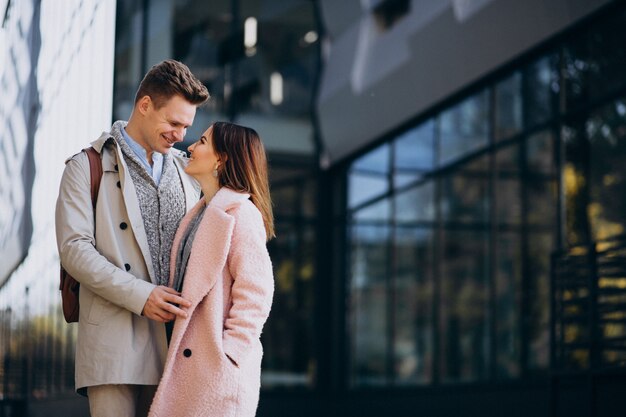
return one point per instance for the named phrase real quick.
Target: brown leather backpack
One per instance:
(69, 286)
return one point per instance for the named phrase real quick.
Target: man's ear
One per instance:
(144, 104)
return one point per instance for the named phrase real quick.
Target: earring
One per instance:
(215, 173)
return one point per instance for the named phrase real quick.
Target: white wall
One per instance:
(72, 80)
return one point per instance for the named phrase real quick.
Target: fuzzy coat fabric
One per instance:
(213, 366)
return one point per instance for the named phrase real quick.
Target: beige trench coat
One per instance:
(115, 344)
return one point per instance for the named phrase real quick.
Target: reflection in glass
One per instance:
(414, 153)
(465, 198)
(464, 128)
(542, 197)
(364, 186)
(542, 88)
(540, 154)
(376, 160)
(594, 62)
(606, 131)
(128, 55)
(464, 326)
(288, 336)
(508, 304)
(508, 160)
(377, 212)
(576, 184)
(508, 201)
(508, 107)
(414, 297)
(369, 176)
(540, 246)
(416, 204)
(368, 304)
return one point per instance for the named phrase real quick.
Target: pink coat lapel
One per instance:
(209, 250)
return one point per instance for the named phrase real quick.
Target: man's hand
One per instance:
(160, 305)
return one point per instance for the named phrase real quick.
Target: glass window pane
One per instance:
(507, 186)
(374, 161)
(128, 67)
(414, 153)
(576, 184)
(416, 204)
(368, 305)
(288, 336)
(369, 176)
(509, 201)
(465, 197)
(379, 211)
(606, 131)
(464, 128)
(413, 344)
(540, 246)
(542, 89)
(464, 306)
(607, 54)
(200, 35)
(540, 153)
(595, 62)
(363, 187)
(542, 202)
(508, 106)
(508, 160)
(508, 305)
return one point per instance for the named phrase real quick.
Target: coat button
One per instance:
(127, 266)
(123, 226)
(187, 353)
(116, 167)
(119, 185)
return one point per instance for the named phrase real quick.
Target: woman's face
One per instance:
(203, 158)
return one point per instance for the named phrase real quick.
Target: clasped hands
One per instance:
(165, 304)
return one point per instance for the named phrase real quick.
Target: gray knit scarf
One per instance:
(162, 207)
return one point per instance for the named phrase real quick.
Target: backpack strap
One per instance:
(95, 171)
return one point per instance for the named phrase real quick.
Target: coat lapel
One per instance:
(209, 250)
(134, 212)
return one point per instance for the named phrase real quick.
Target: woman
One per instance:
(220, 261)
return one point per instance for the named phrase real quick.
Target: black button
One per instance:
(116, 167)
(123, 226)
(187, 353)
(119, 185)
(127, 266)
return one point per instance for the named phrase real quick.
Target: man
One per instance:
(122, 257)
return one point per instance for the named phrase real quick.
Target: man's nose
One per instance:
(179, 134)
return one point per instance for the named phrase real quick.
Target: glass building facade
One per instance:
(451, 221)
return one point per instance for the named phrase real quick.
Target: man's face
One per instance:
(167, 125)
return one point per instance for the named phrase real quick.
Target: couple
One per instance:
(150, 253)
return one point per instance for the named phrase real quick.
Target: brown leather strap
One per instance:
(95, 170)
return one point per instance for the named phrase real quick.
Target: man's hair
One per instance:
(169, 78)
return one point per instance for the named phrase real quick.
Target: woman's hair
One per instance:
(244, 166)
(169, 78)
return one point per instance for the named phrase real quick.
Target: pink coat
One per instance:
(230, 284)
